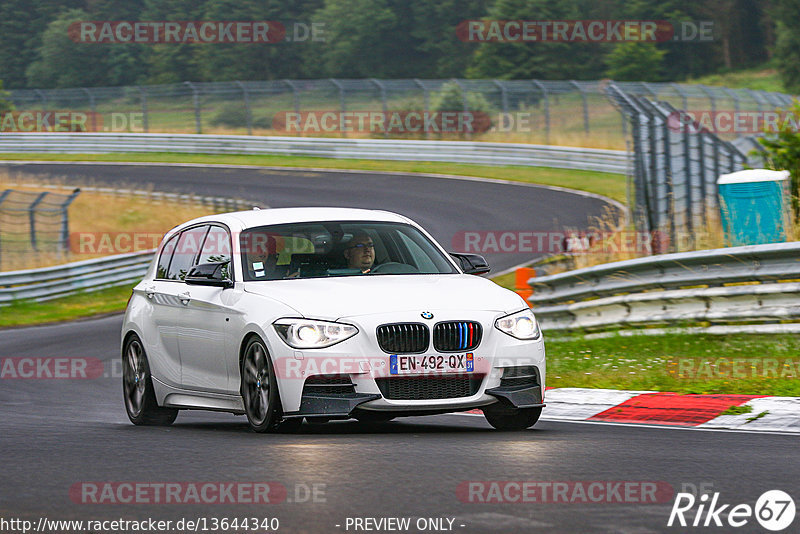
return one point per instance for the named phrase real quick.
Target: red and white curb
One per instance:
(766, 414)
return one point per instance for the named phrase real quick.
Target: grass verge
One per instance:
(82, 305)
(684, 363)
(601, 183)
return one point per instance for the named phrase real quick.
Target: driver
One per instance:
(360, 252)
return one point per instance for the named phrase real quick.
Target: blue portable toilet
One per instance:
(754, 206)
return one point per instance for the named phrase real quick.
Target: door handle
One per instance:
(150, 291)
(185, 298)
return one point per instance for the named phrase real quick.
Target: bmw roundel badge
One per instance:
(427, 315)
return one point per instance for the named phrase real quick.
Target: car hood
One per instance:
(334, 298)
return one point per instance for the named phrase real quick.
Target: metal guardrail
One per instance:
(61, 280)
(675, 288)
(613, 161)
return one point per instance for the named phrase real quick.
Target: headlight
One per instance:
(521, 325)
(310, 334)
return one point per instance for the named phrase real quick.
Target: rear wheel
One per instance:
(259, 388)
(504, 417)
(137, 388)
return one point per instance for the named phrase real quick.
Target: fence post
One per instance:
(92, 107)
(503, 95)
(427, 99)
(711, 99)
(248, 116)
(384, 104)
(682, 95)
(143, 93)
(734, 97)
(755, 96)
(342, 106)
(3, 196)
(295, 95)
(464, 102)
(585, 105)
(64, 242)
(41, 96)
(32, 218)
(542, 88)
(196, 99)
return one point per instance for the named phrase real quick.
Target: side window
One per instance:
(185, 253)
(217, 247)
(166, 257)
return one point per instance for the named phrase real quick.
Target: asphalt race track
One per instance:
(59, 433)
(444, 207)
(59, 437)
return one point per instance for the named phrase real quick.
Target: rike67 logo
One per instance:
(774, 510)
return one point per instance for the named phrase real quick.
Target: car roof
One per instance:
(262, 217)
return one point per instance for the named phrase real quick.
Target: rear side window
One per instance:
(166, 257)
(185, 252)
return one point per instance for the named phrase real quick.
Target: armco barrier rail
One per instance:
(614, 161)
(753, 284)
(61, 280)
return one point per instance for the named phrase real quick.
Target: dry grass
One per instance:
(104, 223)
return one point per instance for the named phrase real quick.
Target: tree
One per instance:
(635, 61)
(5, 103)
(787, 47)
(63, 62)
(545, 60)
(782, 150)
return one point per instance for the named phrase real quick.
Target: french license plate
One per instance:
(402, 364)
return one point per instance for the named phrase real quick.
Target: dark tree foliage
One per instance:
(388, 39)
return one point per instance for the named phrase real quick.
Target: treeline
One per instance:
(387, 39)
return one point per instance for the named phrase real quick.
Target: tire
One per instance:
(259, 388)
(507, 418)
(137, 388)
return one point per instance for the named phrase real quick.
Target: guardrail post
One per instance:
(342, 106)
(384, 104)
(542, 88)
(143, 94)
(196, 100)
(92, 107)
(64, 241)
(585, 105)
(32, 218)
(247, 113)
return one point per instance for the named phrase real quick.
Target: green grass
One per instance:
(82, 305)
(760, 78)
(684, 363)
(610, 185)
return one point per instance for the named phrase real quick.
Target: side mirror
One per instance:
(471, 263)
(210, 274)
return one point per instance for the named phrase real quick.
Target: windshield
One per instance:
(340, 248)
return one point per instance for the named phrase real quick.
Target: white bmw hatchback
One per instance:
(325, 313)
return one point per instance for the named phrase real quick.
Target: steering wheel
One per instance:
(393, 267)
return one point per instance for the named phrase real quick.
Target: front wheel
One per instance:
(259, 388)
(137, 388)
(508, 418)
